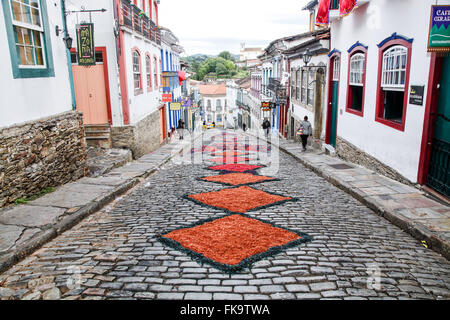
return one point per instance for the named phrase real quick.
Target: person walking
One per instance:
(266, 126)
(304, 131)
(180, 129)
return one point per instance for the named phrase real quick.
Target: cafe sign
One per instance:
(85, 42)
(439, 34)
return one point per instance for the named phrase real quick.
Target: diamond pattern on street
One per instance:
(233, 242)
(230, 159)
(237, 179)
(238, 200)
(236, 167)
(229, 154)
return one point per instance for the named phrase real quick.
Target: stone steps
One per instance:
(98, 135)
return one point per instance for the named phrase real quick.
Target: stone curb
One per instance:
(38, 240)
(418, 231)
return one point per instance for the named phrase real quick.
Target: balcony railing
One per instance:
(140, 24)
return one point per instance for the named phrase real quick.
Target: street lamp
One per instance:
(68, 40)
(307, 57)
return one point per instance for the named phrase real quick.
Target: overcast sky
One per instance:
(212, 26)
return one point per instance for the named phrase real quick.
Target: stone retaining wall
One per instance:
(349, 152)
(141, 138)
(45, 153)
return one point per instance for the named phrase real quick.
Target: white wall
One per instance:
(29, 99)
(370, 24)
(103, 37)
(301, 110)
(213, 111)
(144, 104)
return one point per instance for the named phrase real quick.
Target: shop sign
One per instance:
(439, 33)
(166, 97)
(85, 42)
(416, 95)
(175, 106)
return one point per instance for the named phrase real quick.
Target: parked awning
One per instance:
(346, 7)
(323, 13)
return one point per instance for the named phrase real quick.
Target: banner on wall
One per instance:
(439, 34)
(85, 44)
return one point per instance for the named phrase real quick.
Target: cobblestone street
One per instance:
(113, 254)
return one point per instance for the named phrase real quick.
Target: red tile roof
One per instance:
(213, 89)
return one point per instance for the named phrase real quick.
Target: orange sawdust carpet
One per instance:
(230, 159)
(235, 167)
(237, 179)
(229, 154)
(238, 200)
(232, 242)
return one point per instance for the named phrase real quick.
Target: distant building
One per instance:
(214, 102)
(249, 56)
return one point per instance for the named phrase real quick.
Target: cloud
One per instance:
(205, 26)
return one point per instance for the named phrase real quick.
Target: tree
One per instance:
(226, 55)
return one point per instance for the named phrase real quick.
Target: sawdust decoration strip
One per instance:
(236, 167)
(233, 242)
(237, 179)
(238, 200)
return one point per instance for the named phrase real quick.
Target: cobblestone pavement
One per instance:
(113, 254)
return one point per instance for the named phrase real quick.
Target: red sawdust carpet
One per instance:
(238, 200)
(237, 178)
(235, 167)
(231, 239)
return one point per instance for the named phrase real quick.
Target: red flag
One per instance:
(181, 77)
(346, 7)
(323, 12)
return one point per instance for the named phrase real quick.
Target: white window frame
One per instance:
(31, 27)
(304, 87)
(336, 68)
(136, 53)
(155, 73)
(357, 62)
(310, 87)
(148, 71)
(389, 61)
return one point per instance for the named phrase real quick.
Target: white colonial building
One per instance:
(388, 103)
(214, 103)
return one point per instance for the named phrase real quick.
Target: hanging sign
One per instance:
(85, 42)
(175, 106)
(439, 34)
(166, 97)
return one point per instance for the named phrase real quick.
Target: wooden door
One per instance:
(90, 93)
(333, 120)
(162, 117)
(439, 165)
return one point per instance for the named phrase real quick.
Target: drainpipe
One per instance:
(69, 61)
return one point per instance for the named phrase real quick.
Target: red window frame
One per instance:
(356, 49)
(149, 83)
(380, 94)
(137, 91)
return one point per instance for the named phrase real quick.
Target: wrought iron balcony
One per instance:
(141, 24)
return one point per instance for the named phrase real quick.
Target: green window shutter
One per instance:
(19, 72)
